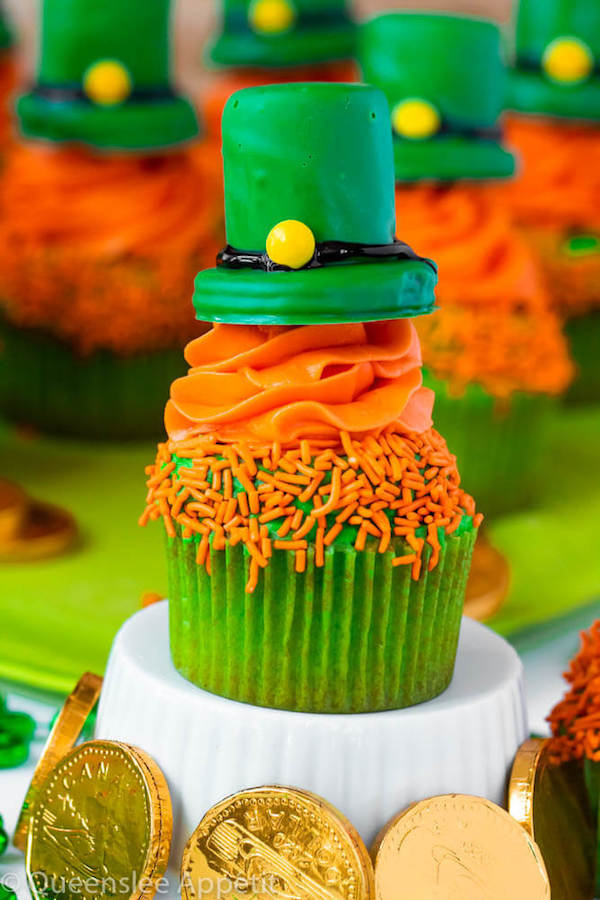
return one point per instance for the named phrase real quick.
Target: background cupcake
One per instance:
(318, 538)
(555, 88)
(269, 41)
(107, 210)
(495, 353)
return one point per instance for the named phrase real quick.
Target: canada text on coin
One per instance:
(276, 842)
(101, 826)
(458, 848)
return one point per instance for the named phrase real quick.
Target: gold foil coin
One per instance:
(13, 509)
(550, 801)
(489, 581)
(101, 826)
(43, 531)
(62, 738)
(457, 848)
(276, 842)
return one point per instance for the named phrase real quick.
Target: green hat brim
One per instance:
(531, 92)
(450, 158)
(361, 292)
(129, 126)
(287, 49)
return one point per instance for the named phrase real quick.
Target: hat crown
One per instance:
(320, 154)
(540, 22)
(451, 62)
(75, 34)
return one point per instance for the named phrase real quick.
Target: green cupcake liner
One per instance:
(583, 333)
(356, 635)
(498, 447)
(44, 383)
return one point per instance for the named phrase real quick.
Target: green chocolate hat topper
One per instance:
(445, 81)
(283, 32)
(557, 64)
(6, 36)
(104, 77)
(310, 212)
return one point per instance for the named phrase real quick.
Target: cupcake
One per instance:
(269, 41)
(108, 207)
(495, 353)
(7, 78)
(555, 94)
(318, 538)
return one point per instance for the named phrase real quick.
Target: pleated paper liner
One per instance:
(583, 333)
(44, 383)
(498, 445)
(357, 635)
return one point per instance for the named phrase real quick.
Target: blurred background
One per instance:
(195, 19)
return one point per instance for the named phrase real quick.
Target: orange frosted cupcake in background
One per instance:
(109, 206)
(555, 93)
(272, 41)
(494, 353)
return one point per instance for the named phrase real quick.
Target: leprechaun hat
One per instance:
(104, 77)
(310, 212)
(557, 61)
(445, 80)
(6, 36)
(283, 32)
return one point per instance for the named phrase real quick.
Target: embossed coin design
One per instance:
(550, 801)
(455, 847)
(101, 826)
(62, 738)
(276, 842)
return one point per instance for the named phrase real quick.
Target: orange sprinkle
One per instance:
(300, 560)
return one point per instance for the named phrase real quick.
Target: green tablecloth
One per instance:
(58, 617)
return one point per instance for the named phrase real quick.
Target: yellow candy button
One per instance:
(291, 243)
(107, 83)
(568, 60)
(416, 119)
(271, 16)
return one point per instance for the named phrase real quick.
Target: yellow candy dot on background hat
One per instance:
(416, 119)
(271, 16)
(107, 82)
(568, 60)
(291, 243)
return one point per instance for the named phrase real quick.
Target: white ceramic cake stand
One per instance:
(370, 765)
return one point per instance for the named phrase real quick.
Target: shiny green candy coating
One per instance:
(454, 64)
(77, 34)
(538, 25)
(16, 733)
(320, 154)
(3, 837)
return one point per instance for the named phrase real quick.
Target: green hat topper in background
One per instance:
(283, 32)
(557, 65)
(104, 77)
(6, 36)
(310, 212)
(445, 81)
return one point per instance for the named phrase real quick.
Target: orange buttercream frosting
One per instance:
(102, 250)
(282, 383)
(495, 326)
(559, 180)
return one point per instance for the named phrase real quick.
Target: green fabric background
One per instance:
(59, 617)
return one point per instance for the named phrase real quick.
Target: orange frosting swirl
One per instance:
(559, 182)
(496, 326)
(281, 383)
(102, 250)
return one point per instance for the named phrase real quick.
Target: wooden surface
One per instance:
(194, 18)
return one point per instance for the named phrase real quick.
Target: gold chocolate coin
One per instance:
(44, 531)
(550, 801)
(101, 826)
(276, 842)
(13, 509)
(62, 738)
(489, 581)
(457, 848)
